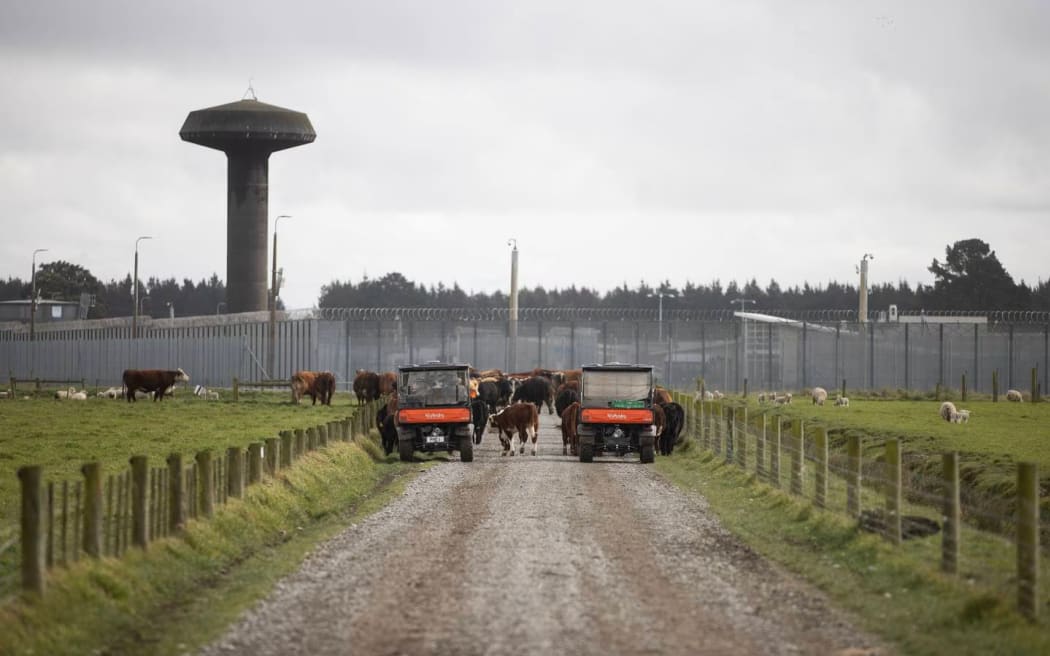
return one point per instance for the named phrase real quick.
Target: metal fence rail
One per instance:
(801, 350)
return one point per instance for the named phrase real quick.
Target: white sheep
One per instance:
(842, 401)
(787, 397)
(820, 395)
(78, 396)
(947, 410)
(111, 393)
(718, 395)
(64, 394)
(960, 416)
(761, 397)
(1014, 396)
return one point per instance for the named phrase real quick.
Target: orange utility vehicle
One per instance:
(616, 413)
(434, 410)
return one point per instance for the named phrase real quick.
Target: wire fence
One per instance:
(991, 541)
(107, 515)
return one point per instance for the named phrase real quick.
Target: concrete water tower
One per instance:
(247, 131)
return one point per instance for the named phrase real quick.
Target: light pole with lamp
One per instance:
(659, 313)
(135, 291)
(271, 361)
(32, 296)
(512, 326)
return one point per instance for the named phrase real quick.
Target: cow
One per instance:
(158, 381)
(387, 383)
(521, 417)
(661, 396)
(674, 417)
(488, 391)
(570, 438)
(573, 385)
(318, 385)
(479, 416)
(366, 386)
(659, 419)
(567, 376)
(564, 399)
(505, 388)
(537, 391)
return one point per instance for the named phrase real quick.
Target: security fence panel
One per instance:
(620, 341)
(556, 346)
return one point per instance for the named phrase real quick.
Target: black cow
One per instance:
(387, 429)
(565, 398)
(675, 419)
(479, 415)
(537, 391)
(506, 390)
(488, 391)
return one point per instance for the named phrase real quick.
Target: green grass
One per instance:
(183, 591)
(897, 593)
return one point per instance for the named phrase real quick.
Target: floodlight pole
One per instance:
(32, 297)
(862, 306)
(512, 355)
(135, 291)
(743, 326)
(272, 359)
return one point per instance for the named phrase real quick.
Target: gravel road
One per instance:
(541, 555)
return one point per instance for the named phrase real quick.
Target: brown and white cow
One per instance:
(318, 385)
(569, 435)
(520, 417)
(157, 381)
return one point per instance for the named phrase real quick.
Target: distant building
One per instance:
(46, 311)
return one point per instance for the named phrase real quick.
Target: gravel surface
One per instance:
(540, 555)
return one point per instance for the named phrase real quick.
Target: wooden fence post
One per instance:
(205, 484)
(843, 388)
(820, 498)
(300, 444)
(760, 449)
(893, 491)
(717, 425)
(741, 439)
(313, 438)
(1035, 385)
(33, 543)
(49, 510)
(962, 387)
(1028, 540)
(774, 452)
(952, 514)
(730, 428)
(92, 533)
(995, 386)
(798, 450)
(139, 496)
(287, 444)
(234, 472)
(65, 521)
(255, 452)
(853, 469)
(176, 502)
(272, 451)
(236, 389)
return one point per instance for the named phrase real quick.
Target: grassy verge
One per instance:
(897, 593)
(185, 590)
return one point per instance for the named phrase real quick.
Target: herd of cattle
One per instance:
(510, 404)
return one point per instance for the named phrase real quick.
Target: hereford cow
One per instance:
(569, 436)
(674, 417)
(387, 383)
(537, 391)
(366, 386)
(479, 416)
(158, 381)
(661, 396)
(318, 385)
(520, 417)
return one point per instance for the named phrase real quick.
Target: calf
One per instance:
(674, 418)
(521, 417)
(385, 420)
(157, 381)
(570, 439)
(537, 391)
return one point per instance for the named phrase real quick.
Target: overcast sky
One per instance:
(617, 141)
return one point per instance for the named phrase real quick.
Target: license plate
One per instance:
(434, 439)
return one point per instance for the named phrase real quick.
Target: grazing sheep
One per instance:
(787, 397)
(761, 397)
(820, 395)
(1014, 396)
(947, 410)
(78, 396)
(960, 416)
(111, 393)
(64, 394)
(842, 401)
(718, 395)
(4, 394)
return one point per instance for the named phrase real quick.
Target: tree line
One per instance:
(970, 277)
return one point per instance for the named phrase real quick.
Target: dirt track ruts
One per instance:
(540, 555)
